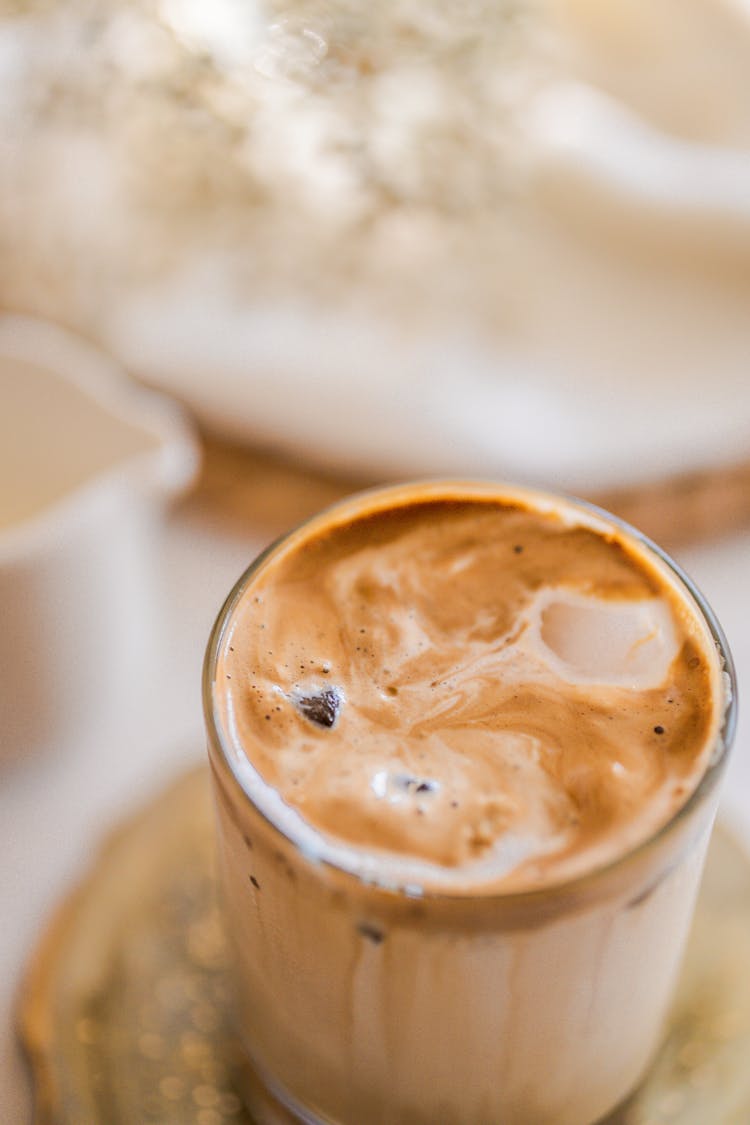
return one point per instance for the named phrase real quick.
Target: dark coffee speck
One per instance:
(407, 783)
(372, 933)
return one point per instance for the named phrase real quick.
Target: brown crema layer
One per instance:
(387, 671)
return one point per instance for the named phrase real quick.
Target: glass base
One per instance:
(267, 1102)
(269, 1105)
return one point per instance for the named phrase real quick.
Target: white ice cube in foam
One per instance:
(590, 640)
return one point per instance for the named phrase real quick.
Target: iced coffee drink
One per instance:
(465, 742)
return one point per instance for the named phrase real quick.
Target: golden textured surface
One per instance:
(123, 1012)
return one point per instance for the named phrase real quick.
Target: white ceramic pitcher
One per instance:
(87, 461)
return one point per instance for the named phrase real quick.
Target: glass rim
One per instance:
(543, 500)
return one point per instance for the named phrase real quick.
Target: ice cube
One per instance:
(320, 707)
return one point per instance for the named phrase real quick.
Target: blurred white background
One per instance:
(499, 238)
(507, 238)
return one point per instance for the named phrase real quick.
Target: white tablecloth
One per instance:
(54, 811)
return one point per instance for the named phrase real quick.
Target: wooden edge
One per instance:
(687, 508)
(242, 487)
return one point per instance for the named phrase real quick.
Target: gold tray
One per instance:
(123, 1008)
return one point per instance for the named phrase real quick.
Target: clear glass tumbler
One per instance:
(358, 1005)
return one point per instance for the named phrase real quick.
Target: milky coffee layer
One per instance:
(465, 691)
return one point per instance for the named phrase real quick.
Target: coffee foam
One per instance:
(522, 696)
